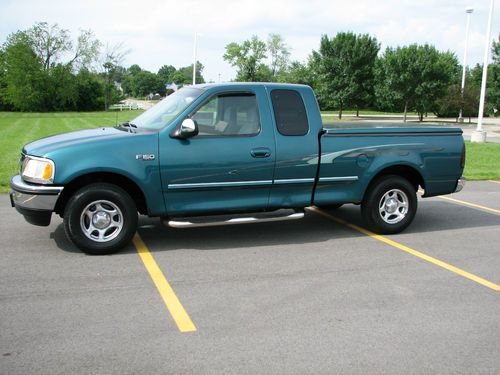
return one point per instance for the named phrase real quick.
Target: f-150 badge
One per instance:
(145, 157)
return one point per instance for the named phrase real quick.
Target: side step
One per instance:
(259, 217)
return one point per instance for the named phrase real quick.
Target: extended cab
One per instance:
(225, 154)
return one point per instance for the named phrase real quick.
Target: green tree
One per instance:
(3, 84)
(86, 50)
(166, 72)
(34, 75)
(297, 72)
(134, 69)
(184, 75)
(128, 79)
(61, 91)
(22, 71)
(474, 79)
(414, 77)
(145, 83)
(279, 54)
(454, 100)
(111, 63)
(345, 70)
(264, 74)
(494, 79)
(90, 91)
(247, 58)
(49, 42)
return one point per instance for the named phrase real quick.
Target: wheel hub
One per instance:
(101, 219)
(391, 205)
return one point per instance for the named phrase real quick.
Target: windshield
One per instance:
(167, 110)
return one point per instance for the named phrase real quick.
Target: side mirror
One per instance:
(188, 129)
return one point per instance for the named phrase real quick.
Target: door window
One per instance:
(228, 115)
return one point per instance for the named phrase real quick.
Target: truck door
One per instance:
(296, 133)
(229, 165)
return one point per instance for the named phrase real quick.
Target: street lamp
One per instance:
(468, 11)
(479, 135)
(196, 35)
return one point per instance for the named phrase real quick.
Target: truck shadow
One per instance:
(161, 238)
(432, 216)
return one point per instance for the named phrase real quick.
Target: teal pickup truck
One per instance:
(226, 154)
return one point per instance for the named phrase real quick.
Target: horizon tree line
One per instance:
(44, 69)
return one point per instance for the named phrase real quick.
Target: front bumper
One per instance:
(35, 202)
(460, 184)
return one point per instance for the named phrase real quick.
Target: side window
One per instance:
(228, 115)
(289, 112)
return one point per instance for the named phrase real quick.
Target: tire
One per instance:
(389, 205)
(100, 219)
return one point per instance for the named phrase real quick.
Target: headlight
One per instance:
(39, 170)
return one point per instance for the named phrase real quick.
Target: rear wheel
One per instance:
(100, 219)
(389, 205)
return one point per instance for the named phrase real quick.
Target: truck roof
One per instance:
(249, 84)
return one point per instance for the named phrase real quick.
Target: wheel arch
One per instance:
(119, 180)
(406, 171)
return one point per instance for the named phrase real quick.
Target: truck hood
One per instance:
(45, 146)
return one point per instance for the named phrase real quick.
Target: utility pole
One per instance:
(468, 11)
(479, 135)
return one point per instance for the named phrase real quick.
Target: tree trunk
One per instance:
(421, 116)
(357, 112)
(406, 108)
(340, 112)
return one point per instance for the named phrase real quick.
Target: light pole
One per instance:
(479, 135)
(196, 35)
(468, 11)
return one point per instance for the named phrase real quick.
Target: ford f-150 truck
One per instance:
(226, 154)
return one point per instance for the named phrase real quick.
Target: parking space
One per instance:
(308, 296)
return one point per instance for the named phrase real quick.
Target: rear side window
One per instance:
(289, 112)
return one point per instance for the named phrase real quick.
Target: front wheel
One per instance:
(389, 205)
(100, 219)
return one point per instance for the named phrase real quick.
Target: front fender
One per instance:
(117, 156)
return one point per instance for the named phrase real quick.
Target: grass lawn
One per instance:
(482, 161)
(17, 129)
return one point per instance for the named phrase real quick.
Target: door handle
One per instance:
(260, 152)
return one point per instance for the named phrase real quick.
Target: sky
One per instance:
(162, 32)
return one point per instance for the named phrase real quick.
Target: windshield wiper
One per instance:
(129, 126)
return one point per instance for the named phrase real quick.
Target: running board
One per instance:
(208, 221)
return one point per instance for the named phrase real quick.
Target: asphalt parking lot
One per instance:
(318, 295)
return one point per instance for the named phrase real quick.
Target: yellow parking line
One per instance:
(173, 304)
(496, 182)
(411, 251)
(464, 203)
